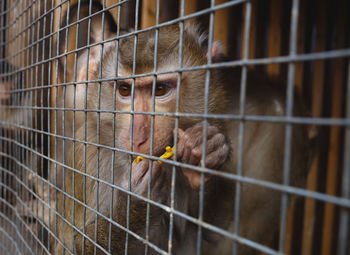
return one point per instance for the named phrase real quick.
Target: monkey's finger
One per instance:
(181, 132)
(217, 158)
(214, 142)
(194, 144)
(187, 152)
(199, 128)
(181, 143)
(196, 137)
(194, 160)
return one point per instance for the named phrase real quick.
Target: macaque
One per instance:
(73, 69)
(108, 123)
(12, 115)
(16, 112)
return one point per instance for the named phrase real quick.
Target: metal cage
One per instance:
(67, 163)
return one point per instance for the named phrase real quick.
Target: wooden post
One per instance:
(312, 184)
(221, 25)
(274, 44)
(148, 16)
(190, 7)
(334, 166)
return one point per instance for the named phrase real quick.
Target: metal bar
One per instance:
(183, 215)
(343, 241)
(98, 126)
(113, 130)
(288, 127)
(85, 124)
(261, 61)
(273, 119)
(131, 126)
(242, 102)
(278, 187)
(24, 159)
(154, 82)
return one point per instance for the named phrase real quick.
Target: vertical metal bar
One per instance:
(9, 151)
(30, 137)
(64, 115)
(35, 121)
(176, 128)
(49, 165)
(20, 152)
(205, 125)
(131, 124)
(85, 122)
(288, 128)
(113, 130)
(74, 109)
(2, 71)
(55, 116)
(2, 146)
(12, 148)
(242, 101)
(343, 239)
(19, 169)
(98, 124)
(155, 68)
(42, 145)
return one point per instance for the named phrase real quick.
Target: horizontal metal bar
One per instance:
(14, 226)
(80, 202)
(208, 226)
(256, 61)
(275, 186)
(20, 218)
(345, 122)
(9, 236)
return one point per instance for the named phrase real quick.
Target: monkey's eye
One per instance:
(124, 89)
(162, 89)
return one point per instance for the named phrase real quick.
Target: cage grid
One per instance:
(67, 165)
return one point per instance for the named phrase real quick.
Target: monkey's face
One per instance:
(142, 101)
(151, 97)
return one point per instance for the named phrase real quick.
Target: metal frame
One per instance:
(22, 144)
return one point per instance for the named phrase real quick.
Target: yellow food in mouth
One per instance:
(138, 159)
(169, 153)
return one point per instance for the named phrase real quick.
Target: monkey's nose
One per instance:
(141, 131)
(140, 137)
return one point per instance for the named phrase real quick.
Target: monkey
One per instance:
(16, 118)
(110, 150)
(73, 69)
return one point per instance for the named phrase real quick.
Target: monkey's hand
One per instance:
(190, 149)
(140, 177)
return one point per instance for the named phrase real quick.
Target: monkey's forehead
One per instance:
(164, 50)
(123, 71)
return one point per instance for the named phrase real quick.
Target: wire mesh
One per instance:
(92, 92)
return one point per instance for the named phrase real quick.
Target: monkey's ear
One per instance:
(216, 52)
(87, 31)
